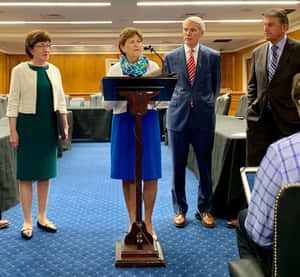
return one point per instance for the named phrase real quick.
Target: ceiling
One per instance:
(102, 38)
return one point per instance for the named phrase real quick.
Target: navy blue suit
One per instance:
(195, 124)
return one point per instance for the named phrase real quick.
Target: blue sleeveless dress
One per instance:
(123, 146)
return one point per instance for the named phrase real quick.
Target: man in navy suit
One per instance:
(191, 117)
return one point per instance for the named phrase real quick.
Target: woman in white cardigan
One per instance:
(133, 64)
(35, 94)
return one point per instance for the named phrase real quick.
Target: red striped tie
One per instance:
(191, 70)
(191, 66)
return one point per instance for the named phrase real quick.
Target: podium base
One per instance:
(131, 256)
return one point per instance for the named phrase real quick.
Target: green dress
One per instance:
(37, 150)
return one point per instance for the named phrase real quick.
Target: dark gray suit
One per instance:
(271, 112)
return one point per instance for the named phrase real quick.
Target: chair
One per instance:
(96, 100)
(241, 110)
(223, 104)
(77, 102)
(286, 239)
(3, 106)
(67, 99)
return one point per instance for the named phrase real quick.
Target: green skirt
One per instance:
(37, 150)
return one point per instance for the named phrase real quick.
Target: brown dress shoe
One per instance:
(206, 218)
(179, 220)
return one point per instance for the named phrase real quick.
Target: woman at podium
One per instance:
(134, 64)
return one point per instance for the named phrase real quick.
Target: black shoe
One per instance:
(4, 223)
(50, 227)
(198, 216)
(27, 233)
(232, 223)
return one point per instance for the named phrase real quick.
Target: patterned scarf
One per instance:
(137, 69)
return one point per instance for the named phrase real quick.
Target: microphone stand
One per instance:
(163, 73)
(161, 60)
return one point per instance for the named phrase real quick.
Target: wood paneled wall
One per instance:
(227, 68)
(80, 72)
(295, 35)
(232, 64)
(4, 74)
(83, 72)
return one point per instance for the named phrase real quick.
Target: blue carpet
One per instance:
(91, 216)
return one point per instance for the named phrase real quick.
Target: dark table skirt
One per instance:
(9, 189)
(228, 156)
(91, 123)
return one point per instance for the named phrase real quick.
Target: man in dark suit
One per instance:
(271, 112)
(191, 117)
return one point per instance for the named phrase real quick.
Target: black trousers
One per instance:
(260, 135)
(249, 249)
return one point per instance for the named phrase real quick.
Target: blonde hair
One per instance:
(127, 33)
(198, 20)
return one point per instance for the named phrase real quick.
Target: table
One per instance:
(91, 123)
(228, 156)
(9, 187)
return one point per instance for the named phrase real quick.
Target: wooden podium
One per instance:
(138, 248)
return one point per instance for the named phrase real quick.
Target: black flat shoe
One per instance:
(4, 223)
(27, 233)
(50, 227)
(198, 216)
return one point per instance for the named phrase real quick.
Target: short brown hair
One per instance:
(296, 90)
(127, 33)
(33, 38)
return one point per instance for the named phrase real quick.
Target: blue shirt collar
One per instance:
(280, 44)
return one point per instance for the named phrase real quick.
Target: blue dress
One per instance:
(123, 146)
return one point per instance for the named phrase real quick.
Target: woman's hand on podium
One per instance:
(153, 73)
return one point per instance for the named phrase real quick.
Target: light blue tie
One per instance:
(273, 63)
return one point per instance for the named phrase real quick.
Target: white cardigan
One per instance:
(121, 106)
(23, 90)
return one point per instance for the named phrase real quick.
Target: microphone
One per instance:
(149, 47)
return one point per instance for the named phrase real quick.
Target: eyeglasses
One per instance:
(43, 46)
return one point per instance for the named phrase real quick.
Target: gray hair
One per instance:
(198, 20)
(296, 90)
(280, 13)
